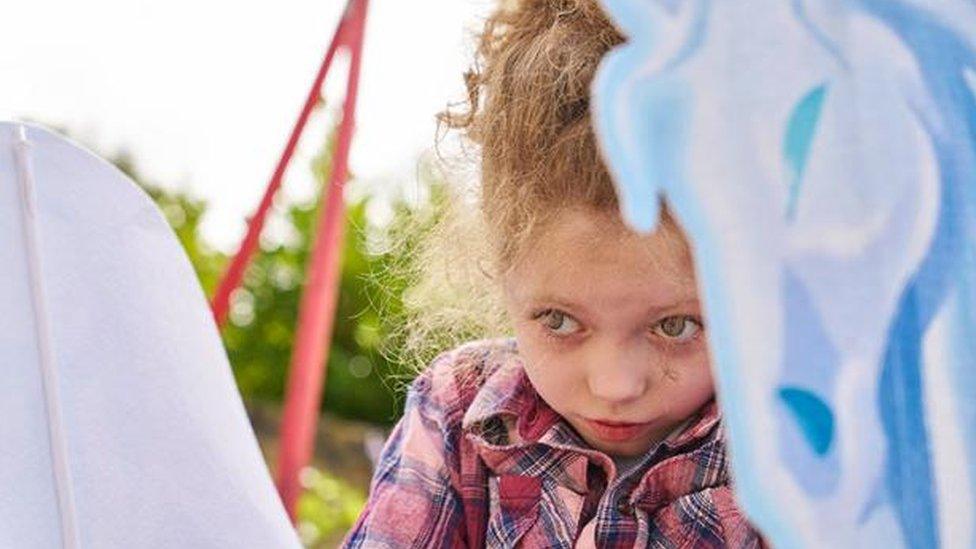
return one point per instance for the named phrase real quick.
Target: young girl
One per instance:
(596, 425)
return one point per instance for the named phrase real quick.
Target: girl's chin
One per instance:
(631, 450)
(624, 442)
(635, 447)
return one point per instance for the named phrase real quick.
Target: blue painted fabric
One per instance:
(822, 157)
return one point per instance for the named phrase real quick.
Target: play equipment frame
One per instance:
(306, 379)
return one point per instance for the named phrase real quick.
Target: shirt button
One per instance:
(624, 508)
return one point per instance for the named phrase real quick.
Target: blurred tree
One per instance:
(327, 509)
(260, 331)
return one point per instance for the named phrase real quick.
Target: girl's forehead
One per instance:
(574, 236)
(583, 255)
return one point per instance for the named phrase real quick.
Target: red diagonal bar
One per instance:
(317, 312)
(235, 271)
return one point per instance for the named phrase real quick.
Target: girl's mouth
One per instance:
(615, 431)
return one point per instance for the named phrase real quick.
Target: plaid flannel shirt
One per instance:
(543, 486)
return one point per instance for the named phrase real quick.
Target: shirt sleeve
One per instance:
(412, 502)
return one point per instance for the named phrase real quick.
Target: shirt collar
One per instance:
(507, 394)
(697, 428)
(506, 403)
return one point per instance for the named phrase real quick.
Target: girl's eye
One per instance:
(679, 329)
(558, 322)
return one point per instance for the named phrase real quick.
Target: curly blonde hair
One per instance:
(527, 114)
(528, 111)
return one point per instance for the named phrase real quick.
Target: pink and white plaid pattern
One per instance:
(535, 482)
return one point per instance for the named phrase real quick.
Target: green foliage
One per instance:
(260, 336)
(261, 328)
(261, 333)
(328, 507)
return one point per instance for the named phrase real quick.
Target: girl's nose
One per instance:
(618, 376)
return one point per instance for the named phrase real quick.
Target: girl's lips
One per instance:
(615, 431)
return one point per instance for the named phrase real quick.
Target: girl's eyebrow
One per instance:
(550, 299)
(558, 302)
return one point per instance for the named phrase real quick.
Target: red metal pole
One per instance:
(317, 313)
(235, 271)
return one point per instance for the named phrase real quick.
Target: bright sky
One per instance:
(204, 93)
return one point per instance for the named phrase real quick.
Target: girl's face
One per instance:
(610, 329)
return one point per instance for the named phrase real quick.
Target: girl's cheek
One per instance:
(700, 384)
(689, 371)
(687, 351)
(546, 347)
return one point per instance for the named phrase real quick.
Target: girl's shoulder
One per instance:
(442, 398)
(426, 464)
(478, 389)
(456, 376)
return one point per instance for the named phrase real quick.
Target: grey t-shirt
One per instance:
(628, 464)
